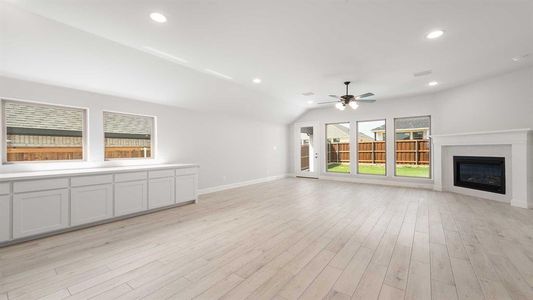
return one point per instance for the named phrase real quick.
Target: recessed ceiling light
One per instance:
(434, 34)
(159, 18)
(257, 80)
(433, 83)
(310, 102)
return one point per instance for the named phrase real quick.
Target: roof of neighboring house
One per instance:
(364, 137)
(337, 131)
(122, 123)
(21, 115)
(26, 118)
(406, 123)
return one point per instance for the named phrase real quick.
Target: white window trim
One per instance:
(3, 132)
(153, 137)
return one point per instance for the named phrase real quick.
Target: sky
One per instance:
(367, 126)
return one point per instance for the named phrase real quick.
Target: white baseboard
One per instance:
(239, 184)
(382, 181)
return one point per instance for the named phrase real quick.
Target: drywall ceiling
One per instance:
(293, 46)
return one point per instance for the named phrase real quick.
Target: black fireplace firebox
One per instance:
(480, 173)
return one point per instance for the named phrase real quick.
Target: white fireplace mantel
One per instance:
(521, 142)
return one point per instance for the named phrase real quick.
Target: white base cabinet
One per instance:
(40, 212)
(90, 204)
(161, 192)
(35, 204)
(130, 197)
(5, 218)
(184, 192)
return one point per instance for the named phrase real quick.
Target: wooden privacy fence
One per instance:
(69, 153)
(372, 152)
(43, 153)
(415, 152)
(338, 152)
(411, 152)
(127, 152)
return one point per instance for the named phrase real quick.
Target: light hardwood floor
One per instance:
(288, 239)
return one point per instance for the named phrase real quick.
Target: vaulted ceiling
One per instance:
(293, 46)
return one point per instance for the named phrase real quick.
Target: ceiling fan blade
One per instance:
(334, 96)
(366, 100)
(328, 102)
(364, 95)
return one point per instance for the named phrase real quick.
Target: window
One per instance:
(38, 132)
(403, 136)
(418, 135)
(338, 147)
(413, 153)
(128, 136)
(371, 147)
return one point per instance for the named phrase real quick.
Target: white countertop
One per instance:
(89, 171)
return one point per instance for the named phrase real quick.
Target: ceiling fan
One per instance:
(351, 100)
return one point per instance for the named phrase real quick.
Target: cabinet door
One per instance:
(39, 212)
(5, 218)
(161, 192)
(130, 197)
(185, 188)
(91, 203)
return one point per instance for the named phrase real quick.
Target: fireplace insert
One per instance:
(480, 173)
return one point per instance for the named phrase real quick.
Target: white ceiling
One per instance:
(293, 46)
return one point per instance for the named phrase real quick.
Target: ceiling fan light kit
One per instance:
(354, 105)
(350, 100)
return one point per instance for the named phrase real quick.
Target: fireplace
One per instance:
(480, 173)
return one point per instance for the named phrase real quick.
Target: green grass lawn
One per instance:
(371, 169)
(412, 171)
(339, 168)
(401, 170)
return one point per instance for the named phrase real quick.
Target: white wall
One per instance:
(495, 103)
(228, 149)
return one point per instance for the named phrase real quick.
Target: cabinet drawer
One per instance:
(5, 218)
(4, 188)
(121, 177)
(161, 173)
(39, 185)
(39, 212)
(91, 203)
(91, 180)
(187, 171)
(130, 197)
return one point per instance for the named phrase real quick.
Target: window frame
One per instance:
(357, 148)
(430, 177)
(152, 136)
(326, 148)
(3, 134)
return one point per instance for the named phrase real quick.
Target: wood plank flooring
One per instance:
(289, 239)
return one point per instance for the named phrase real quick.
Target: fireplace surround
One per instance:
(480, 173)
(516, 145)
